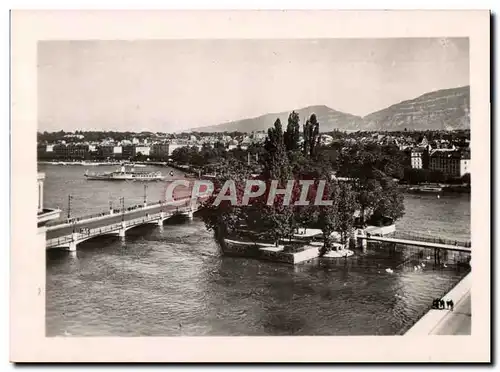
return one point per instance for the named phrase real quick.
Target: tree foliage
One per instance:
(346, 207)
(292, 134)
(311, 135)
(370, 169)
(328, 214)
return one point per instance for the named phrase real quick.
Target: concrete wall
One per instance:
(431, 320)
(248, 249)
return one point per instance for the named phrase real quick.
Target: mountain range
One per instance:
(444, 109)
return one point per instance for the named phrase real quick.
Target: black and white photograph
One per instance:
(197, 187)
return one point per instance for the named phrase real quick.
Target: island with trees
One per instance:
(358, 180)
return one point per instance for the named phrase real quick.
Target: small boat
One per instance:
(426, 189)
(136, 165)
(124, 175)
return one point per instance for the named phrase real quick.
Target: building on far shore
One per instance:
(454, 163)
(159, 151)
(419, 158)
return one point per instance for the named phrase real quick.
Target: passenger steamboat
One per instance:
(125, 175)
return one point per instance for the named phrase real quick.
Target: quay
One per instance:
(447, 322)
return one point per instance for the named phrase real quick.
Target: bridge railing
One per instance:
(83, 234)
(429, 239)
(128, 209)
(77, 219)
(139, 220)
(59, 241)
(88, 233)
(156, 216)
(98, 230)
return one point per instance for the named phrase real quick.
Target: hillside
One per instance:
(328, 118)
(444, 109)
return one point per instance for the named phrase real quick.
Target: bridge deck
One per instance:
(107, 228)
(109, 219)
(417, 243)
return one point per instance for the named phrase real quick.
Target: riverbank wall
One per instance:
(434, 317)
(309, 250)
(268, 252)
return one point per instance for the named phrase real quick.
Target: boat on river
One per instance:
(136, 165)
(123, 174)
(426, 189)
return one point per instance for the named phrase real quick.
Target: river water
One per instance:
(172, 280)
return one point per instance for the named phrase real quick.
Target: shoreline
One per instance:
(434, 321)
(300, 248)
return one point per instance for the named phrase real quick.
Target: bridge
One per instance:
(77, 230)
(416, 243)
(460, 251)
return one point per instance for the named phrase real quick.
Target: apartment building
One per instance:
(159, 151)
(71, 151)
(453, 163)
(419, 157)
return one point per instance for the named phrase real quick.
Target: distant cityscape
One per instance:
(444, 152)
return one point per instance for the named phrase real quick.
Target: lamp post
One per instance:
(122, 201)
(145, 195)
(69, 206)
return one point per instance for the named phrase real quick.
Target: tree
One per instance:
(368, 197)
(391, 204)
(305, 216)
(368, 166)
(327, 156)
(277, 219)
(311, 135)
(181, 155)
(346, 207)
(224, 219)
(328, 215)
(292, 134)
(276, 164)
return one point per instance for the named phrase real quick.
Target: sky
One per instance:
(172, 85)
